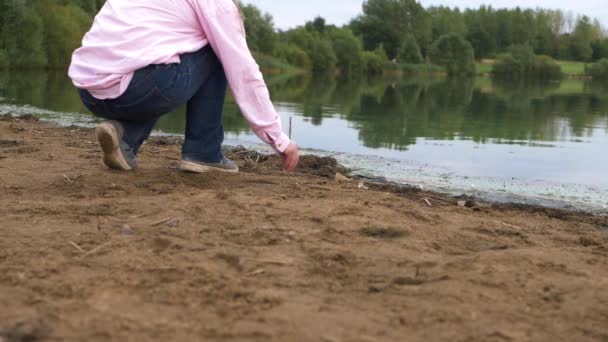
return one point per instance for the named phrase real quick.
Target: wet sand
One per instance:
(95, 255)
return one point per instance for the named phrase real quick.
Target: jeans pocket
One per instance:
(134, 98)
(140, 104)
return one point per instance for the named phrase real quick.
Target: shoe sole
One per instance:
(187, 166)
(109, 139)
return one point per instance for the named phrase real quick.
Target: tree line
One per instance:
(388, 34)
(42, 33)
(403, 32)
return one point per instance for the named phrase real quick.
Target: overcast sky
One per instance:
(290, 13)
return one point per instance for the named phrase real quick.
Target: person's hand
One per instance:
(291, 157)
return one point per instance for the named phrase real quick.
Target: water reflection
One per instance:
(388, 113)
(395, 114)
(537, 140)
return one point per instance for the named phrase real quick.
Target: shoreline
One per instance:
(487, 198)
(91, 254)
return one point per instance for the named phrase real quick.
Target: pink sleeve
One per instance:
(223, 27)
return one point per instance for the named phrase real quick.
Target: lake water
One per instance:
(533, 143)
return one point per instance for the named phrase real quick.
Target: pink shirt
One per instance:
(128, 35)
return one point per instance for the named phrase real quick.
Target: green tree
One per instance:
(317, 25)
(388, 22)
(260, 30)
(348, 50)
(445, 20)
(21, 36)
(563, 50)
(454, 53)
(600, 49)
(543, 41)
(31, 40)
(322, 56)
(317, 46)
(65, 26)
(482, 31)
(582, 38)
(410, 51)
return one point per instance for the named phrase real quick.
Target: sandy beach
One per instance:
(89, 254)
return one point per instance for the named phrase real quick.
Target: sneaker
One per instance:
(225, 165)
(115, 150)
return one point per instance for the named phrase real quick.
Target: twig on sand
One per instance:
(329, 240)
(509, 225)
(75, 245)
(426, 200)
(250, 160)
(163, 221)
(96, 249)
(256, 272)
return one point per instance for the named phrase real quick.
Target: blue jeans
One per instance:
(199, 81)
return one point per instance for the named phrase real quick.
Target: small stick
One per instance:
(75, 245)
(330, 241)
(427, 202)
(256, 272)
(159, 222)
(509, 225)
(290, 125)
(97, 248)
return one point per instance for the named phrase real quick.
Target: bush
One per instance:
(322, 56)
(599, 70)
(373, 64)
(292, 55)
(547, 68)
(521, 63)
(505, 64)
(454, 53)
(319, 49)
